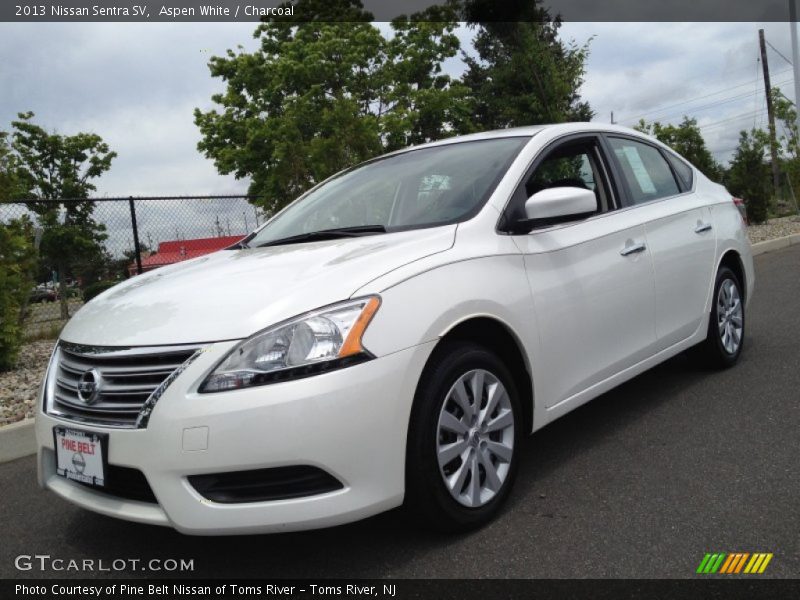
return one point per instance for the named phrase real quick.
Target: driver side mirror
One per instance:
(559, 205)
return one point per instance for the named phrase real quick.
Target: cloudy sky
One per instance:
(136, 85)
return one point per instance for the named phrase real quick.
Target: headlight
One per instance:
(312, 343)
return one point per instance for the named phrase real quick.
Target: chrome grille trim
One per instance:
(130, 377)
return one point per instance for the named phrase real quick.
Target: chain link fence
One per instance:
(85, 246)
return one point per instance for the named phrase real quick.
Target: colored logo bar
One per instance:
(734, 563)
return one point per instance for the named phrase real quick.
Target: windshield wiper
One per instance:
(326, 234)
(241, 244)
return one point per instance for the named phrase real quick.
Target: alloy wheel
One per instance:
(475, 438)
(729, 316)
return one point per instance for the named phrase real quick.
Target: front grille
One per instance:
(263, 485)
(124, 379)
(124, 482)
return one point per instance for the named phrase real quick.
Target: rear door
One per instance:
(680, 233)
(592, 279)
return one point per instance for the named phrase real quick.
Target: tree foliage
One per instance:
(318, 96)
(524, 74)
(687, 140)
(50, 167)
(749, 175)
(17, 263)
(788, 148)
(8, 179)
(330, 91)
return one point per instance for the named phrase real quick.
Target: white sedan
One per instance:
(391, 336)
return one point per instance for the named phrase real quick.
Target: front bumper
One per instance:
(351, 423)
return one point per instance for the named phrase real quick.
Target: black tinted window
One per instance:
(645, 169)
(683, 170)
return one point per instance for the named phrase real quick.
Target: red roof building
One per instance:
(176, 251)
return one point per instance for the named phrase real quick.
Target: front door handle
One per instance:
(702, 227)
(633, 249)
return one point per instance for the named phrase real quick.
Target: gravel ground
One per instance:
(18, 388)
(774, 228)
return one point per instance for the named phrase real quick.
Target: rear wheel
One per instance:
(725, 338)
(464, 431)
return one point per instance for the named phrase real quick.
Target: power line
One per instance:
(696, 109)
(746, 115)
(663, 108)
(713, 124)
(723, 151)
(703, 107)
(778, 52)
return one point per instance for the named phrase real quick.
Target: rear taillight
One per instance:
(742, 209)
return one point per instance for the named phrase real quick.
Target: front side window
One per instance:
(645, 170)
(421, 188)
(571, 165)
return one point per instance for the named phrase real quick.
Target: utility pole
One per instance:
(773, 144)
(612, 118)
(795, 56)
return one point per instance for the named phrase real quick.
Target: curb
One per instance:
(776, 244)
(17, 440)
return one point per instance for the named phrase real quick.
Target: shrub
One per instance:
(17, 263)
(749, 175)
(97, 288)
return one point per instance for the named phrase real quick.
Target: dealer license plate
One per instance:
(81, 455)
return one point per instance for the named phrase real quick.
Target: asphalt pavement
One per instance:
(640, 482)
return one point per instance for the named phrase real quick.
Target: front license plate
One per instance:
(81, 455)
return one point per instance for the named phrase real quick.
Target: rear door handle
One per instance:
(633, 249)
(702, 227)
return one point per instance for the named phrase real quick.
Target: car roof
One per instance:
(531, 130)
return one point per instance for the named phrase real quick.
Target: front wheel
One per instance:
(725, 338)
(462, 443)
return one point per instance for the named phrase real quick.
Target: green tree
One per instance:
(17, 263)
(8, 179)
(322, 94)
(786, 114)
(51, 167)
(686, 139)
(749, 175)
(789, 147)
(523, 73)
(417, 102)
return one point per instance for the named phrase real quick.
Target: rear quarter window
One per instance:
(682, 169)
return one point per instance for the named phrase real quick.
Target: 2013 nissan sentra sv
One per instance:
(391, 336)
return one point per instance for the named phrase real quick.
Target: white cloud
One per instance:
(136, 85)
(662, 71)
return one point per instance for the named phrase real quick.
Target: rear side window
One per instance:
(684, 171)
(645, 169)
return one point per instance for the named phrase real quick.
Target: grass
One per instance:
(35, 332)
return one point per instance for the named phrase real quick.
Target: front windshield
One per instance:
(420, 188)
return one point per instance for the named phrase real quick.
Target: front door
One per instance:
(592, 280)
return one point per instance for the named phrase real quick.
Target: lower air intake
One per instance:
(263, 485)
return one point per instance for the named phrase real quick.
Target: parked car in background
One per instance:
(42, 294)
(391, 336)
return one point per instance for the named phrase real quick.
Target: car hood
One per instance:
(232, 294)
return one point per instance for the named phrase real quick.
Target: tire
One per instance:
(439, 391)
(726, 331)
